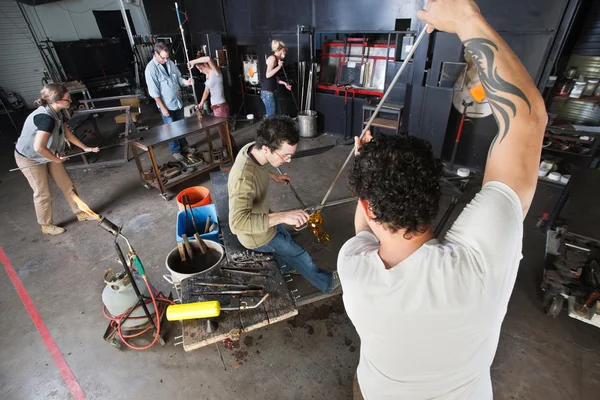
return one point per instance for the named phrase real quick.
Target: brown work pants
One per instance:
(356, 393)
(37, 176)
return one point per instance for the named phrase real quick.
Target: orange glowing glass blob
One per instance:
(315, 223)
(84, 207)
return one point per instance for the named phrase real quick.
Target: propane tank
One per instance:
(118, 296)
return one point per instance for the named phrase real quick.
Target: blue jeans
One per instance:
(289, 254)
(175, 115)
(270, 102)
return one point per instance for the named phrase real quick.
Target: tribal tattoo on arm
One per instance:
(500, 93)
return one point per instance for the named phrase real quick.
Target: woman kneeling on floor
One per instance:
(39, 152)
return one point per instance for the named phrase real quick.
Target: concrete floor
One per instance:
(312, 356)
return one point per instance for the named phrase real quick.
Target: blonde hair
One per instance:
(51, 93)
(277, 45)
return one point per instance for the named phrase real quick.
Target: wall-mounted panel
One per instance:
(362, 15)
(519, 15)
(238, 14)
(205, 16)
(280, 16)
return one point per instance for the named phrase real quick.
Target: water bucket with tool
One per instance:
(179, 270)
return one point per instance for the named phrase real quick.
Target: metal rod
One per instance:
(131, 42)
(577, 247)
(383, 99)
(220, 354)
(298, 60)
(445, 217)
(141, 300)
(75, 155)
(103, 109)
(291, 91)
(303, 76)
(336, 203)
(185, 50)
(293, 190)
(129, 96)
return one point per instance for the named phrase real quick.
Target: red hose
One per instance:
(116, 321)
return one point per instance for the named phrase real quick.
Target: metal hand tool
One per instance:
(250, 293)
(249, 271)
(228, 285)
(237, 304)
(291, 91)
(376, 112)
(78, 154)
(209, 309)
(187, 205)
(292, 189)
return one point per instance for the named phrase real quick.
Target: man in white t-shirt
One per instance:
(429, 311)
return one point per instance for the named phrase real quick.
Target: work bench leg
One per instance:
(138, 163)
(229, 147)
(157, 173)
(209, 142)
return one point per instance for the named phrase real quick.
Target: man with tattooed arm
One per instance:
(429, 311)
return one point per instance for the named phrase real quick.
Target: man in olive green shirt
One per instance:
(250, 218)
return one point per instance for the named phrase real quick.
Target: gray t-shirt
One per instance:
(41, 119)
(429, 327)
(214, 83)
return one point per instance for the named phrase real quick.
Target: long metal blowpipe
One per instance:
(185, 50)
(381, 102)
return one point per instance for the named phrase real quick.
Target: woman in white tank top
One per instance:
(214, 87)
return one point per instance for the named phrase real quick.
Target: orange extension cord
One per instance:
(116, 321)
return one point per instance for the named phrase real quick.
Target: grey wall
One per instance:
(530, 27)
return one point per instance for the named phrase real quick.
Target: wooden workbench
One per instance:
(279, 306)
(161, 135)
(231, 324)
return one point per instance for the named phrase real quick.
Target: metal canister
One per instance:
(564, 88)
(570, 74)
(307, 124)
(578, 89)
(590, 87)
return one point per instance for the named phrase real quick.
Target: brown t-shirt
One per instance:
(249, 205)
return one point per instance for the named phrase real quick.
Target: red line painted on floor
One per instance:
(62, 365)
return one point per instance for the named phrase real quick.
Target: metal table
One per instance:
(161, 135)
(387, 108)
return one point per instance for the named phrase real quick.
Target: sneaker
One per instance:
(189, 150)
(52, 230)
(336, 281)
(83, 216)
(179, 157)
(192, 160)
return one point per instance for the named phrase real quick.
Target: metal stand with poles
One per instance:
(185, 50)
(132, 44)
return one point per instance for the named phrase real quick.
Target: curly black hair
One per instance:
(400, 179)
(276, 130)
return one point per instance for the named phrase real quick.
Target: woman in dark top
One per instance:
(270, 80)
(39, 152)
